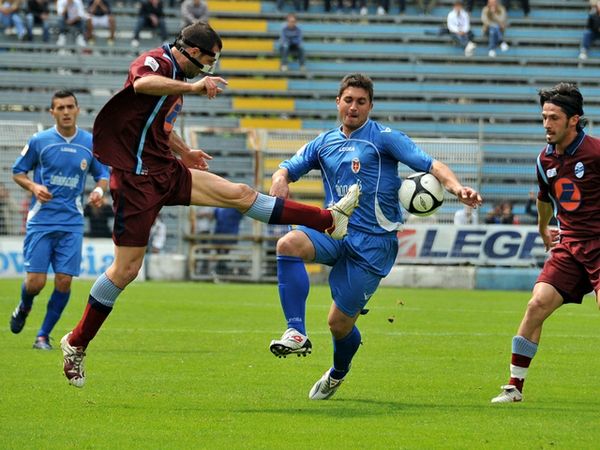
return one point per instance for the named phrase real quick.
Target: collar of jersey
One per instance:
(167, 50)
(572, 148)
(355, 132)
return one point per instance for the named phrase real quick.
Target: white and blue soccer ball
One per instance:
(421, 194)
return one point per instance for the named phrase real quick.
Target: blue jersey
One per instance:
(369, 157)
(60, 164)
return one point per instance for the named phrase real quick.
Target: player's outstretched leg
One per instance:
(325, 387)
(292, 342)
(73, 362)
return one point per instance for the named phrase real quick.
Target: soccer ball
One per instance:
(421, 194)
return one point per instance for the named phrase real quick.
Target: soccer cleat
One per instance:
(17, 320)
(42, 343)
(509, 394)
(325, 387)
(342, 211)
(73, 362)
(292, 342)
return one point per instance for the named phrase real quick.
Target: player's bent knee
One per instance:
(292, 245)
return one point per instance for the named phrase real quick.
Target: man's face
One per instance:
(65, 112)
(354, 107)
(190, 69)
(556, 124)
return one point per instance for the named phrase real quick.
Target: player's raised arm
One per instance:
(465, 194)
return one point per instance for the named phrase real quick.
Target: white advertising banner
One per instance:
(480, 245)
(97, 255)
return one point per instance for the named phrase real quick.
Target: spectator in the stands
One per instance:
(459, 27)
(193, 11)
(100, 16)
(290, 42)
(592, 31)
(425, 6)
(524, 5)
(150, 15)
(470, 3)
(37, 14)
(466, 216)
(9, 17)
(493, 18)
(71, 15)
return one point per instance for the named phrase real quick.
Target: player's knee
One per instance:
(290, 245)
(62, 283)
(537, 306)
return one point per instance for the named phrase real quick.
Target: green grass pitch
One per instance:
(185, 365)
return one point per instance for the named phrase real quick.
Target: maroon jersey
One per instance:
(572, 183)
(132, 131)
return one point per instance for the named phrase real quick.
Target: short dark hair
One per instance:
(201, 34)
(62, 94)
(568, 98)
(358, 80)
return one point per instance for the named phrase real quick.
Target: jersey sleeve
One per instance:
(543, 193)
(404, 150)
(305, 160)
(98, 170)
(28, 158)
(148, 64)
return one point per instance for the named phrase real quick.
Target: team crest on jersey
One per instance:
(579, 170)
(151, 62)
(83, 164)
(355, 165)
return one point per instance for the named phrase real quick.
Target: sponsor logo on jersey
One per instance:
(60, 180)
(171, 116)
(551, 172)
(347, 149)
(386, 130)
(355, 165)
(579, 170)
(568, 194)
(151, 62)
(83, 164)
(68, 150)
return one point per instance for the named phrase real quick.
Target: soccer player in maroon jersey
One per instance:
(568, 171)
(133, 133)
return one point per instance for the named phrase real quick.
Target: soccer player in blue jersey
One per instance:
(365, 152)
(568, 172)
(60, 158)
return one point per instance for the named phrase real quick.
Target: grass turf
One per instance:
(184, 365)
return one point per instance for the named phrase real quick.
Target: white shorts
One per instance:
(100, 21)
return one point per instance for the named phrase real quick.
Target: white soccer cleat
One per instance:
(325, 387)
(73, 362)
(342, 211)
(292, 342)
(509, 394)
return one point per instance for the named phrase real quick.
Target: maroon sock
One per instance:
(289, 212)
(521, 361)
(93, 317)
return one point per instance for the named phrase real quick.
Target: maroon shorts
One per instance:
(137, 200)
(573, 269)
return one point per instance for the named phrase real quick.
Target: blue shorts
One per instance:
(358, 263)
(62, 249)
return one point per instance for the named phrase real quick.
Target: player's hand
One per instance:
(196, 159)
(41, 193)
(95, 199)
(280, 188)
(470, 197)
(550, 237)
(209, 86)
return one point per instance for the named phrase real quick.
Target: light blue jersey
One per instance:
(61, 164)
(369, 157)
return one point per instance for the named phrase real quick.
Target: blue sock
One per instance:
(343, 352)
(26, 299)
(56, 305)
(293, 290)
